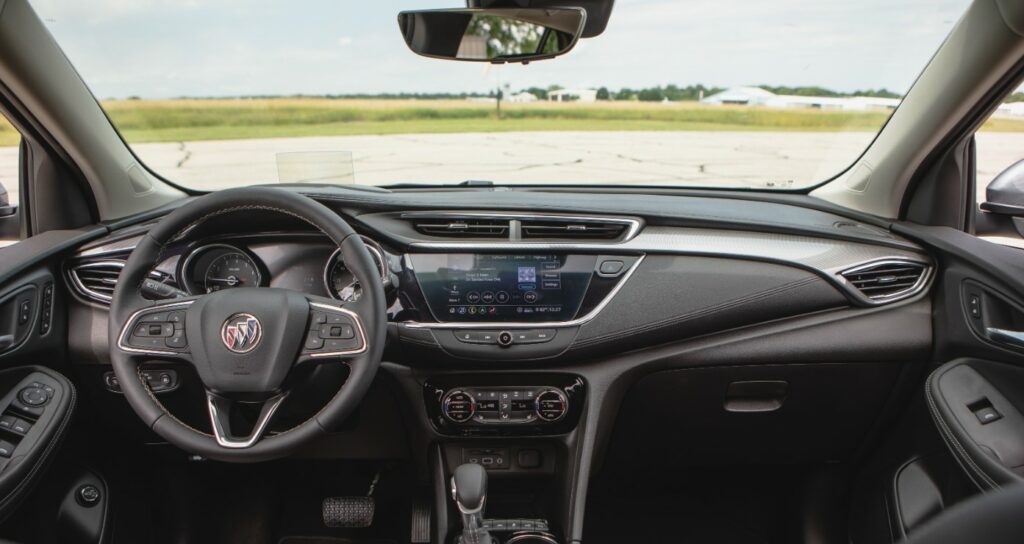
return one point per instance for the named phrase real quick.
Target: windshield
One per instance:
(701, 93)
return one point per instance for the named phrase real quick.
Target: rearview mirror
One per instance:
(492, 35)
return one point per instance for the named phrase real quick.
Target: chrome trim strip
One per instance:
(633, 225)
(222, 435)
(1012, 338)
(84, 291)
(519, 537)
(922, 282)
(538, 325)
(359, 329)
(121, 339)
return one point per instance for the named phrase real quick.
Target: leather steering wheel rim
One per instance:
(127, 303)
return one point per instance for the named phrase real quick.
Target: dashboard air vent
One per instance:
(462, 228)
(592, 230)
(96, 281)
(888, 280)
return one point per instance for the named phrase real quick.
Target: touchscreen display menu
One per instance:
(487, 288)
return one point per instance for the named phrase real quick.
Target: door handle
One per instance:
(1012, 338)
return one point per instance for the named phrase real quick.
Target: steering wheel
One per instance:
(243, 342)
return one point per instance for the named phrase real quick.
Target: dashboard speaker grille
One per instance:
(889, 280)
(96, 281)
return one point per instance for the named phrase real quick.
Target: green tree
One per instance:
(604, 94)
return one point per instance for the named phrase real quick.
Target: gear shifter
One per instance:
(469, 490)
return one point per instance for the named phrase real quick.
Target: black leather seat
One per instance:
(993, 518)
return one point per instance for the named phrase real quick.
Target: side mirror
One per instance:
(1005, 195)
(493, 35)
(6, 209)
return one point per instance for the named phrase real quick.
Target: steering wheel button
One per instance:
(340, 345)
(178, 318)
(152, 342)
(334, 319)
(319, 318)
(313, 342)
(177, 340)
(155, 317)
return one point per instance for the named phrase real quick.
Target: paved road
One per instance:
(668, 158)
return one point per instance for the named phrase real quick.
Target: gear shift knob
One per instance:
(469, 490)
(469, 487)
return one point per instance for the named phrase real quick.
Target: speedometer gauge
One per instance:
(341, 283)
(231, 269)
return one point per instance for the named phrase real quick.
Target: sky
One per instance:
(164, 49)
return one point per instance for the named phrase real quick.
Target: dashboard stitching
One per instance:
(700, 312)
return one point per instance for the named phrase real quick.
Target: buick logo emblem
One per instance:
(241, 333)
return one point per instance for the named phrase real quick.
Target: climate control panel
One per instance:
(536, 407)
(505, 405)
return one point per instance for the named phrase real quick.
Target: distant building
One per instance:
(1011, 109)
(741, 96)
(522, 98)
(756, 96)
(573, 95)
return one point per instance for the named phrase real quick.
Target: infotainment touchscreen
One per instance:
(495, 287)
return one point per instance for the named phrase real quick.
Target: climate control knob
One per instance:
(458, 406)
(551, 405)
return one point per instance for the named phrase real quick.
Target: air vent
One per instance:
(888, 280)
(576, 230)
(462, 228)
(96, 281)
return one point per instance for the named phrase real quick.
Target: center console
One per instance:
(519, 428)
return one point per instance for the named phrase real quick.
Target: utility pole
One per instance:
(497, 97)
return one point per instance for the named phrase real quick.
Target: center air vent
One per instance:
(590, 230)
(462, 228)
(886, 281)
(96, 281)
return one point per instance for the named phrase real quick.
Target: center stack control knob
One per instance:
(551, 405)
(458, 406)
(505, 339)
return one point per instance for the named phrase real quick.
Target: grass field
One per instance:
(226, 119)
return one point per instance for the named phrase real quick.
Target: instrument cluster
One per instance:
(215, 266)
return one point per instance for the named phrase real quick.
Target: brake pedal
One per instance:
(348, 511)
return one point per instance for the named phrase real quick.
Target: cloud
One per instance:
(271, 47)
